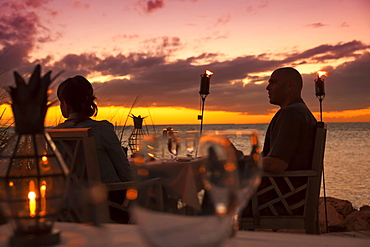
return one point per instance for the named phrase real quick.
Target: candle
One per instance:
(43, 198)
(32, 199)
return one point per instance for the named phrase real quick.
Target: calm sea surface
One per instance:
(346, 162)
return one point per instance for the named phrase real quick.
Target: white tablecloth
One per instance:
(128, 235)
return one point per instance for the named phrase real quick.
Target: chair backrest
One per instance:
(77, 147)
(309, 219)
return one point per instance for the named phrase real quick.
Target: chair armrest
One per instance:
(120, 186)
(302, 173)
(126, 185)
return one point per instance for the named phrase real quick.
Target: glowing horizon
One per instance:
(118, 116)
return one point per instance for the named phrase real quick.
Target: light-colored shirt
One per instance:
(113, 163)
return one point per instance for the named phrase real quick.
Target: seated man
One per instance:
(289, 140)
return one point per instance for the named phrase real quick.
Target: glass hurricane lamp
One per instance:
(33, 175)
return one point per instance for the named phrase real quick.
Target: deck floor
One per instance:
(354, 234)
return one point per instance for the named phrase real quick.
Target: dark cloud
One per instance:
(162, 45)
(20, 29)
(163, 82)
(154, 5)
(317, 25)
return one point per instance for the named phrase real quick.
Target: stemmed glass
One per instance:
(231, 176)
(173, 143)
(191, 143)
(164, 210)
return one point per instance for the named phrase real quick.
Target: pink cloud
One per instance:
(223, 19)
(154, 5)
(80, 5)
(317, 25)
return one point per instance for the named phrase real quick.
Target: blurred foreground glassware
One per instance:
(248, 167)
(163, 211)
(173, 144)
(191, 141)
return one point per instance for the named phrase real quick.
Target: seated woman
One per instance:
(76, 96)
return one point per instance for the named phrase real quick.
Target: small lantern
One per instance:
(33, 175)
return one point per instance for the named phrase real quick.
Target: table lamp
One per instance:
(33, 175)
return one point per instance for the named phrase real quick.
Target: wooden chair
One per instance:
(309, 220)
(86, 201)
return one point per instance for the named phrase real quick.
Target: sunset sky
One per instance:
(157, 50)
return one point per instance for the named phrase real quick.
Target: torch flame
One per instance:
(208, 73)
(321, 73)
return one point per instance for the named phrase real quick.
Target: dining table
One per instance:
(129, 235)
(180, 178)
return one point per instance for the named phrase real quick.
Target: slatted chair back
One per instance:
(77, 146)
(309, 220)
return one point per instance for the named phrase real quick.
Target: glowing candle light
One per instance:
(43, 197)
(44, 160)
(32, 199)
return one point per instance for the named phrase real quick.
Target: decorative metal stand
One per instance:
(136, 137)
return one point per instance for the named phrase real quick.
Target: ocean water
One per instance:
(346, 161)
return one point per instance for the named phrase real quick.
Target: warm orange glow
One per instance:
(254, 140)
(43, 198)
(32, 199)
(139, 161)
(131, 194)
(151, 155)
(177, 115)
(44, 160)
(321, 73)
(208, 73)
(202, 169)
(143, 172)
(229, 167)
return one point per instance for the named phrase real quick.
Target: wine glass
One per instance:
(239, 174)
(173, 143)
(163, 209)
(191, 141)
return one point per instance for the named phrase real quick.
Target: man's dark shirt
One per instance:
(290, 137)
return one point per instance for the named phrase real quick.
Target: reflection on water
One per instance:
(347, 156)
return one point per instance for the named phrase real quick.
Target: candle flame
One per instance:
(322, 73)
(208, 73)
(32, 199)
(151, 155)
(44, 160)
(43, 198)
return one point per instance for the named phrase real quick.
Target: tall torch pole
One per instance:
(204, 91)
(320, 89)
(320, 94)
